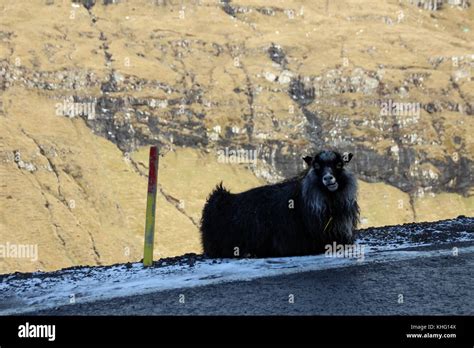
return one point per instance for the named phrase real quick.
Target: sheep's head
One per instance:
(328, 166)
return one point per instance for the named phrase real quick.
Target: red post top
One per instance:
(153, 169)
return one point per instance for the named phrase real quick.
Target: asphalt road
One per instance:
(425, 286)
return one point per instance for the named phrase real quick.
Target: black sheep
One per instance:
(298, 216)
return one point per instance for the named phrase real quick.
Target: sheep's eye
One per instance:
(316, 166)
(339, 165)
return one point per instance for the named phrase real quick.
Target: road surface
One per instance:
(428, 286)
(417, 269)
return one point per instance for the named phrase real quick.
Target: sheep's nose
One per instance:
(329, 179)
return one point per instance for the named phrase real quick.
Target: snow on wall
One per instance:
(20, 293)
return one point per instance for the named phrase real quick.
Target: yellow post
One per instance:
(151, 207)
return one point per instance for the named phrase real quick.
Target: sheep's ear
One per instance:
(347, 156)
(308, 160)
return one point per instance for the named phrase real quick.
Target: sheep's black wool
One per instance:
(298, 216)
